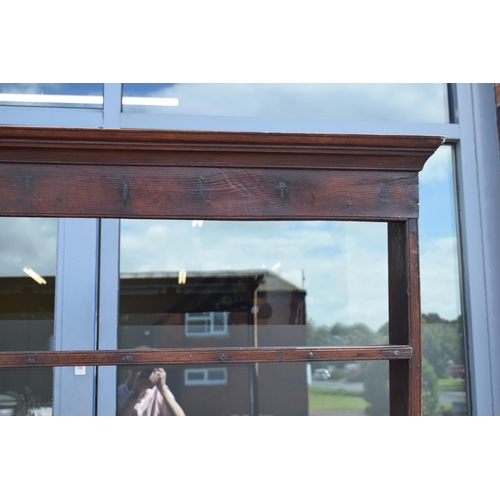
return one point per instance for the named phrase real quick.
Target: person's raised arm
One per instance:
(173, 406)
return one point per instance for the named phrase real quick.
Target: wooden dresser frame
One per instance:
(145, 174)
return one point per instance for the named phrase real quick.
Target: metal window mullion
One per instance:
(112, 105)
(477, 186)
(109, 289)
(212, 330)
(109, 275)
(488, 156)
(76, 313)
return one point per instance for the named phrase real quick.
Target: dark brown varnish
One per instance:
(207, 193)
(404, 316)
(209, 355)
(51, 172)
(55, 146)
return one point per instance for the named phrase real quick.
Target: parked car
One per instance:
(352, 368)
(321, 374)
(457, 371)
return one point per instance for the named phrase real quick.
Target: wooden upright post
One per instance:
(405, 376)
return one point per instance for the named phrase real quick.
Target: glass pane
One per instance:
(294, 389)
(442, 325)
(73, 95)
(27, 293)
(243, 283)
(404, 102)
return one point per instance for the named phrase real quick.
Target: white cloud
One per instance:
(27, 242)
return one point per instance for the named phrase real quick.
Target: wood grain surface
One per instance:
(405, 376)
(214, 149)
(206, 193)
(51, 172)
(201, 356)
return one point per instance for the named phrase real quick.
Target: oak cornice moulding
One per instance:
(84, 146)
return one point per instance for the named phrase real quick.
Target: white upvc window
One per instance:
(205, 376)
(206, 324)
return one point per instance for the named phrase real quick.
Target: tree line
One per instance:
(442, 346)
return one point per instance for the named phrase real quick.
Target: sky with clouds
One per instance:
(342, 101)
(403, 102)
(27, 242)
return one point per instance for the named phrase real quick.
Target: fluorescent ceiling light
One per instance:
(182, 277)
(150, 101)
(34, 275)
(87, 99)
(52, 99)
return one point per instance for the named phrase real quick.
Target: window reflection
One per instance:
(272, 283)
(26, 392)
(280, 389)
(442, 323)
(349, 388)
(143, 392)
(288, 283)
(27, 310)
(212, 309)
(366, 102)
(248, 284)
(267, 283)
(74, 95)
(339, 388)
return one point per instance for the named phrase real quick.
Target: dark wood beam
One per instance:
(211, 355)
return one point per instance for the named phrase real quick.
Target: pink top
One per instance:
(149, 404)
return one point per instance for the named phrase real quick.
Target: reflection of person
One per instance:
(145, 393)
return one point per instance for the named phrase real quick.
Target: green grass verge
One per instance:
(451, 384)
(324, 399)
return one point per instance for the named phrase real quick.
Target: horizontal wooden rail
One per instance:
(205, 193)
(129, 357)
